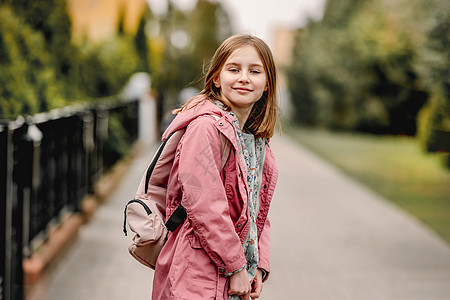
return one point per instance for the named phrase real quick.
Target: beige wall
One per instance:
(283, 44)
(98, 19)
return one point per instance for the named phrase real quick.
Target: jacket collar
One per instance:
(198, 108)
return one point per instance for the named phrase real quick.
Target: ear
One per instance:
(216, 82)
(266, 88)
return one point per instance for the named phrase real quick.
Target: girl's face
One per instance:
(242, 79)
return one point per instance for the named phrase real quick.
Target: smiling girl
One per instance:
(222, 249)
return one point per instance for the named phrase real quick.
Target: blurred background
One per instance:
(365, 84)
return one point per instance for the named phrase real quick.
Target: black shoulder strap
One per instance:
(179, 215)
(177, 218)
(152, 165)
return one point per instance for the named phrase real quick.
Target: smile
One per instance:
(242, 89)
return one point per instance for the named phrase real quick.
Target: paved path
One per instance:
(331, 239)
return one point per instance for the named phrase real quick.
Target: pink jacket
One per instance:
(209, 243)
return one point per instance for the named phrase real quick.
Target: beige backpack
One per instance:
(146, 213)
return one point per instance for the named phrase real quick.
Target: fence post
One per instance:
(89, 148)
(11, 216)
(31, 179)
(5, 170)
(101, 119)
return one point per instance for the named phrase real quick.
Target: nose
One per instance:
(243, 77)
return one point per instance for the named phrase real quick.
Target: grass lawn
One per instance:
(393, 166)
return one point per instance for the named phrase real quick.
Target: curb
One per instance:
(34, 266)
(60, 238)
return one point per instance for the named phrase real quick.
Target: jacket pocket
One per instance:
(202, 271)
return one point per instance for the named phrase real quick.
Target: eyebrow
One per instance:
(236, 64)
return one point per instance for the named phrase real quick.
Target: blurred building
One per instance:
(98, 19)
(283, 44)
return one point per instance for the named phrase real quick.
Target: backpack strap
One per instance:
(226, 147)
(179, 215)
(152, 165)
(177, 218)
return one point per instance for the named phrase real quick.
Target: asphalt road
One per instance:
(331, 239)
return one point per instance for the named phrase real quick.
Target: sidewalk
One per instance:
(331, 239)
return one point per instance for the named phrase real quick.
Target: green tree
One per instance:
(28, 81)
(107, 66)
(51, 18)
(208, 26)
(433, 65)
(42, 69)
(181, 65)
(355, 68)
(141, 41)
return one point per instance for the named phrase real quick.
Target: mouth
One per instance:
(242, 89)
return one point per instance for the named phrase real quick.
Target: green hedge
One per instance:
(371, 65)
(104, 68)
(27, 78)
(41, 69)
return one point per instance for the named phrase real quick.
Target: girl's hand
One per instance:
(257, 285)
(240, 285)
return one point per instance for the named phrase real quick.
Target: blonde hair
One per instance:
(264, 115)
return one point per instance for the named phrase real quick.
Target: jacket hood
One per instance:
(193, 111)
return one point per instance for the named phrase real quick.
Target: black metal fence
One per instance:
(48, 163)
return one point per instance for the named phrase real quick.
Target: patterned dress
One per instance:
(252, 151)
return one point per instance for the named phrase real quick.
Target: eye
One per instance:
(233, 70)
(255, 71)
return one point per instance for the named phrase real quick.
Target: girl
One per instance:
(222, 249)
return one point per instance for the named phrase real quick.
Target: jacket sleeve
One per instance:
(264, 250)
(204, 195)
